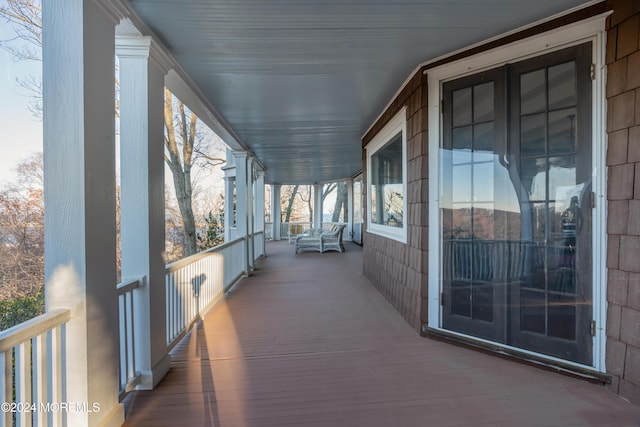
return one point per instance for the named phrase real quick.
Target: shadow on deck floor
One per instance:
(308, 341)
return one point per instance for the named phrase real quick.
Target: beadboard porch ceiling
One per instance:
(300, 81)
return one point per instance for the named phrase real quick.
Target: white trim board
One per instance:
(396, 124)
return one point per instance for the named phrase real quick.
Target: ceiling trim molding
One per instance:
(114, 9)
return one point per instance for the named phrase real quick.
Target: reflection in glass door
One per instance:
(516, 205)
(473, 299)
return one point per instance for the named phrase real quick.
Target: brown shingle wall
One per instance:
(399, 270)
(623, 192)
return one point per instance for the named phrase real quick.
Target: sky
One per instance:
(21, 131)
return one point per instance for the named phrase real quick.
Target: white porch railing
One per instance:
(128, 375)
(288, 229)
(33, 371)
(33, 354)
(194, 283)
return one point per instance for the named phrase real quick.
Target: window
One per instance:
(386, 175)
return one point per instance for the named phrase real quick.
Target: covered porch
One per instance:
(307, 340)
(310, 340)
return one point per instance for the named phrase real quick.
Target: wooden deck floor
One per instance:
(307, 341)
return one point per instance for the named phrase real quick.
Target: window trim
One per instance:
(397, 124)
(589, 30)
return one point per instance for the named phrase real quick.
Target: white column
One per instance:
(80, 195)
(317, 205)
(349, 234)
(230, 232)
(242, 211)
(276, 209)
(250, 213)
(142, 71)
(228, 207)
(259, 218)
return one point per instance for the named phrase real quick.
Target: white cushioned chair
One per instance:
(332, 241)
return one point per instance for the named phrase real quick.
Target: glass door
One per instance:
(516, 205)
(474, 294)
(550, 143)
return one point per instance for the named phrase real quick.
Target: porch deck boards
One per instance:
(308, 341)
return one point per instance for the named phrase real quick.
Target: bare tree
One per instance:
(180, 163)
(26, 18)
(183, 147)
(294, 209)
(22, 231)
(290, 201)
(341, 201)
(306, 197)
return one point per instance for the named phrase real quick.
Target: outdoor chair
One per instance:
(309, 241)
(332, 241)
(320, 241)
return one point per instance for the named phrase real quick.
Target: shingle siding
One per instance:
(398, 270)
(623, 160)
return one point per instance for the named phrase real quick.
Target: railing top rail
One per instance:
(128, 285)
(195, 257)
(32, 328)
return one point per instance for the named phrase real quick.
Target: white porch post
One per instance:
(142, 71)
(317, 205)
(276, 208)
(228, 206)
(259, 213)
(80, 195)
(242, 211)
(350, 207)
(250, 213)
(229, 185)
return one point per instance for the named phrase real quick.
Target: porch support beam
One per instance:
(350, 208)
(80, 195)
(242, 211)
(250, 213)
(229, 225)
(142, 230)
(317, 205)
(229, 202)
(276, 208)
(259, 204)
